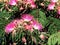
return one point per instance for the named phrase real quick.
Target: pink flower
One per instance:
(58, 10)
(13, 2)
(36, 25)
(10, 27)
(54, 1)
(33, 5)
(27, 17)
(51, 6)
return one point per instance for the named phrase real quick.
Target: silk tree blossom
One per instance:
(33, 5)
(10, 27)
(27, 17)
(13, 2)
(54, 1)
(36, 25)
(58, 10)
(51, 6)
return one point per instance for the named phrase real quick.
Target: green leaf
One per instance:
(42, 18)
(54, 39)
(46, 3)
(34, 13)
(14, 8)
(4, 14)
(54, 26)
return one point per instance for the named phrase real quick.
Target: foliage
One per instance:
(54, 39)
(49, 20)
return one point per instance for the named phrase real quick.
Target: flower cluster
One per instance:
(27, 22)
(29, 3)
(52, 4)
(24, 29)
(10, 27)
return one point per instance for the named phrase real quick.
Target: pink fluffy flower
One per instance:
(36, 25)
(54, 1)
(13, 2)
(33, 5)
(27, 17)
(10, 27)
(58, 10)
(51, 6)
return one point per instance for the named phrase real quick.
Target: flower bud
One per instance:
(24, 40)
(42, 37)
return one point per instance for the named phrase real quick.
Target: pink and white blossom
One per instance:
(27, 17)
(10, 27)
(36, 25)
(33, 5)
(51, 6)
(54, 1)
(13, 2)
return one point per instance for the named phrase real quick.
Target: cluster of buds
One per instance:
(27, 22)
(52, 5)
(26, 3)
(24, 40)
